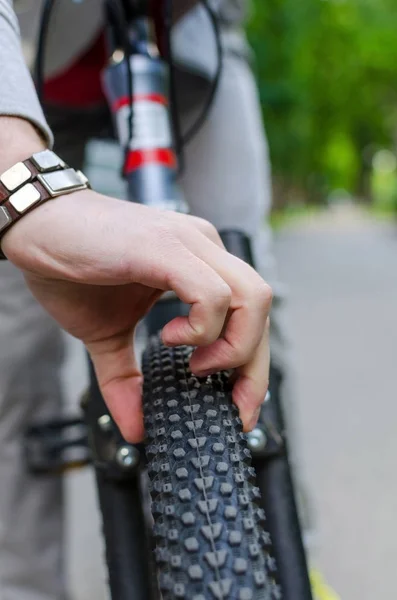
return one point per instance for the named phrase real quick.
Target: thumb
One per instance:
(120, 382)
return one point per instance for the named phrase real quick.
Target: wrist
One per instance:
(19, 139)
(35, 176)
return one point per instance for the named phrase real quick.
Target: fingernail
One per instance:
(206, 373)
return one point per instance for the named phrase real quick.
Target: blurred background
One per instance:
(327, 76)
(327, 79)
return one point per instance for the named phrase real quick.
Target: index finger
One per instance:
(249, 310)
(199, 285)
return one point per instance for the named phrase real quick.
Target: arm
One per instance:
(17, 94)
(18, 140)
(97, 264)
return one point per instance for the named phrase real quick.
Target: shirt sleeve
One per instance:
(18, 97)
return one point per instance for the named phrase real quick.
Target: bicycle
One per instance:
(223, 526)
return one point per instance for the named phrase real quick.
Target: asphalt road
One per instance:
(342, 275)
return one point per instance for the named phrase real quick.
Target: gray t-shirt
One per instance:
(75, 25)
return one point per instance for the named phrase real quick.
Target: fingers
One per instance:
(244, 343)
(120, 382)
(206, 228)
(251, 386)
(241, 336)
(197, 284)
(249, 309)
(229, 307)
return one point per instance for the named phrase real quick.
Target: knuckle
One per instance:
(221, 297)
(217, 293)
(203, 337)
(204, 225)
(264, 295)
(207, 228)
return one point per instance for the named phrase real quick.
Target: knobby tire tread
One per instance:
(210, 539)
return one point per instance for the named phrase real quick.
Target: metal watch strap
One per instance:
(42, 187)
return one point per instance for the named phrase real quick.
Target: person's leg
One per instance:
(30, 508)
(31, 353)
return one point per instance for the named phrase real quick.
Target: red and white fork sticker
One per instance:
(151, 125)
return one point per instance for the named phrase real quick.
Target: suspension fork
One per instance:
(150, 167)
(269, 447)
(150, 170)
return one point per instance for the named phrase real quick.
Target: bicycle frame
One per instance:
(150, 172)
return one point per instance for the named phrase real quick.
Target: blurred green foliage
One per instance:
(327, 73)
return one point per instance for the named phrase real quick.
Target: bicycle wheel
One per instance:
(210, 542)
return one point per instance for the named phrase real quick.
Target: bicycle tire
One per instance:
(209, 535)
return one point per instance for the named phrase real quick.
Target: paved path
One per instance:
(342, 274)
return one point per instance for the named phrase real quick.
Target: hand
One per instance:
(97, 264)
